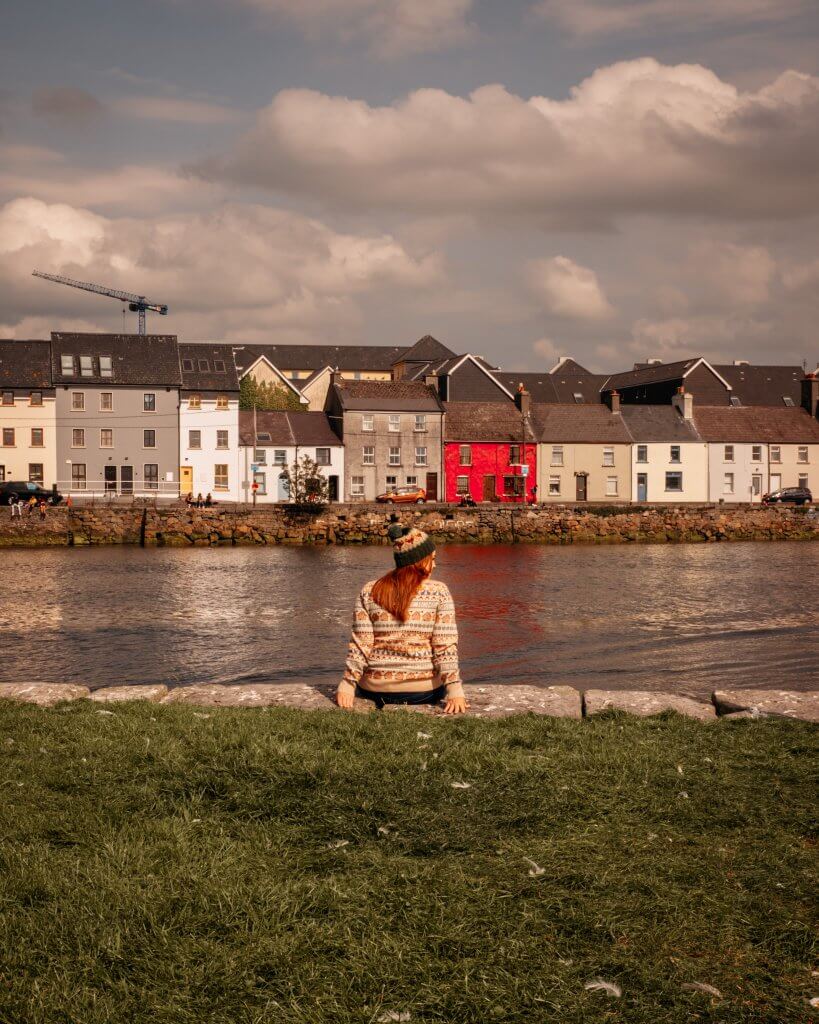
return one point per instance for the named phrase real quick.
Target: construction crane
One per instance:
(136, 303)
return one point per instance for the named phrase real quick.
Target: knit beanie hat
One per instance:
(410, 545)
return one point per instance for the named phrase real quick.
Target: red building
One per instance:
(490, 451)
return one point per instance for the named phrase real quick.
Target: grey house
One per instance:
(392, 435)
(117, 404)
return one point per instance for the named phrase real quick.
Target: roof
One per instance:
(205, 359)
(387, 396)
(426, 349)
(25, 364)
(647, 423)
(568, 365)
(764, 385)
(311, 429)
(372, 358)
(651, 374)
(150, 360)
(763, 424)
(486, 421)
(557, 388)
(580, 424)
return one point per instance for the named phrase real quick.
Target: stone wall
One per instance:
(367, 524)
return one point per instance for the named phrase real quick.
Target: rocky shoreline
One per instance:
(178, 526)
(491, 701)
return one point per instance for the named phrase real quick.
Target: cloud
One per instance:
(731, 274)
(634, 138)
(66, 105)
(175, 109)
(567, 289)
(597, 17)
(233, 271)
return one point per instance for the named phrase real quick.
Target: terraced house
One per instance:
(209, 422)
(28, 418)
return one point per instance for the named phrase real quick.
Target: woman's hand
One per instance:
(345, 697)
(455, 706)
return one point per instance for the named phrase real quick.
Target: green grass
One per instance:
(175, 866)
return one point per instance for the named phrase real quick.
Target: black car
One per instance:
(13, 490)
(789, 495)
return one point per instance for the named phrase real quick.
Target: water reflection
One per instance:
(687, 618)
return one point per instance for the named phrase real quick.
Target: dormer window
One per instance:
(221, 402)
(106, 366)
(35, 398)
(86, 366)
(67, 366)
(187, 366)
(218, 366)
(735, 401)
(788, 401)
(578, 397)
(8, 398)
(195, 402)
(204, 366)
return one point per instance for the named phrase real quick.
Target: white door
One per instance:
(776, 481)
(284, 488)
(756, 487)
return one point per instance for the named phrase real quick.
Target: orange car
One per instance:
(404, 495)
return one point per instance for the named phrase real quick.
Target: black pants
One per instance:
(422, 697)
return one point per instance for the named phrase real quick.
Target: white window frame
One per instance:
(394, 457)
(329, 457)
(756, 453)
(153, 484)
(421, 456)
(556, 458)
(217, 474)
(74, 432)
(461, 485)
(394, 423)
(776, 453)
(260, 456)
(671, 458)
(464, 454)
(78, 401)
(223, 435)
(145, 396)
(675, 473)
(149, 430)
(356, 486)
(106, 367)
(608, 455)
(728, 453)
(67, 367)
(728, 483)
(368, 455)
(801, 450)
(554, 486)
(642, 454)
(611, 487)
(194, 447)
(367, 423)
(110, 407)
(420, 423)
(86, 366)
(109, 430)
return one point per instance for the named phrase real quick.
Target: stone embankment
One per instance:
(491, 701)
(178, 526)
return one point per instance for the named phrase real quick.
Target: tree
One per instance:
(267, 396)
(306, 483)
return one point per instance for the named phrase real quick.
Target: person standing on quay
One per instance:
(405, 639)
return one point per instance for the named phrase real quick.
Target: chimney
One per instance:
(810, 394)
(431, 381)
(683, 402)
(335, 376)
(614, 401)
(523, 400)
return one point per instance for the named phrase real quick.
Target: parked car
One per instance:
(789, 495)
(404, 496)
(11, 490)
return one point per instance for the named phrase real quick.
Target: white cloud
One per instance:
(175, 109)
(567, 289)
(636, 137)
(731, 274)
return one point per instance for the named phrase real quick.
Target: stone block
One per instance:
(645, 702)
(44, 694)
(784, 703)
(498, 700)
(117, 693)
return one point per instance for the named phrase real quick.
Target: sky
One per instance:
(612, 180)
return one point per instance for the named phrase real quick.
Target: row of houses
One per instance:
(124, 414)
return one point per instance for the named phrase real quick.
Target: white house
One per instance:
(669, 461)
(270, 442)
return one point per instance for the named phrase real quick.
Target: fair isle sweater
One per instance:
(390, 656)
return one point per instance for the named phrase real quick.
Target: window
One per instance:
(421, 422)
(204, 366)
(222, 439)
(788, 401)
(776, 453)
(611, 486)
(514, 485)
(462, 485)
(392, 481)
(578, 397)
(36, 437)
(106, 367)
(368, 456)
(554, 485)
(420, 456)
(194, 439)
(608, 457)
(735, 401)
(803, 480)
(149, 439)
(106, 437)
(195, 402)
(357, 487)
(728, 453)
(35, 472)
(260, 456)
(35, 398)
(357, 375)
(8, 437)
(187, 366)
(728, 484)
(149, 402)
(802, 453)
(673, 481)
(77, 401)
(261, 480)
(366, 424)
(263, 437)
(394, 424)
(220, 477)
(86, 366)
(674, 453)
(280, 457)
(150, 474)
(642, 453)
(514, 454)
(106, 401)
(221, 402)
(322, 456)
(8, 398)
(756, 453)
(557, 455)
(67, 366)
(78, 476)
(465, 455)
(78, 437)
(218, 366)
(395, 457)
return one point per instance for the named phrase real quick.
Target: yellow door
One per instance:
(186, 480)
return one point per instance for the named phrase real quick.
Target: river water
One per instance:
(684, 618)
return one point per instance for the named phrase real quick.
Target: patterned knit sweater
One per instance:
(387, 655)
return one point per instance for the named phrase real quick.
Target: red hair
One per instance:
(395, 591)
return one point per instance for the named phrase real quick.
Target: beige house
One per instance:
(28, 418)
(583, 454)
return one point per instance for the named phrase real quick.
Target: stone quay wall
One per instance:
(177, 526)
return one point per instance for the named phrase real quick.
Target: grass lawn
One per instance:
(171, 865)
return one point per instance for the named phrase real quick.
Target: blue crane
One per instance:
(136, 303)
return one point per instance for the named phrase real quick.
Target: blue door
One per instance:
(284, 488)
(642, 487)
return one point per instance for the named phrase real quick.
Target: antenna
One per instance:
(136, 303)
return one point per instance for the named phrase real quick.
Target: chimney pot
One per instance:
(614, 401)
(523, 400)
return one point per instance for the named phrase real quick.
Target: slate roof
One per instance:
(557, 388)
(652, 374)
(387, 396)
(311, 429)
(426, 349)
(571, 366)
(579, 424)
(764, 385)
(204, 376)
(762, 424)
(25, 364)
(486, 422)
(647, 423)
(313, 357)
(151, 360)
